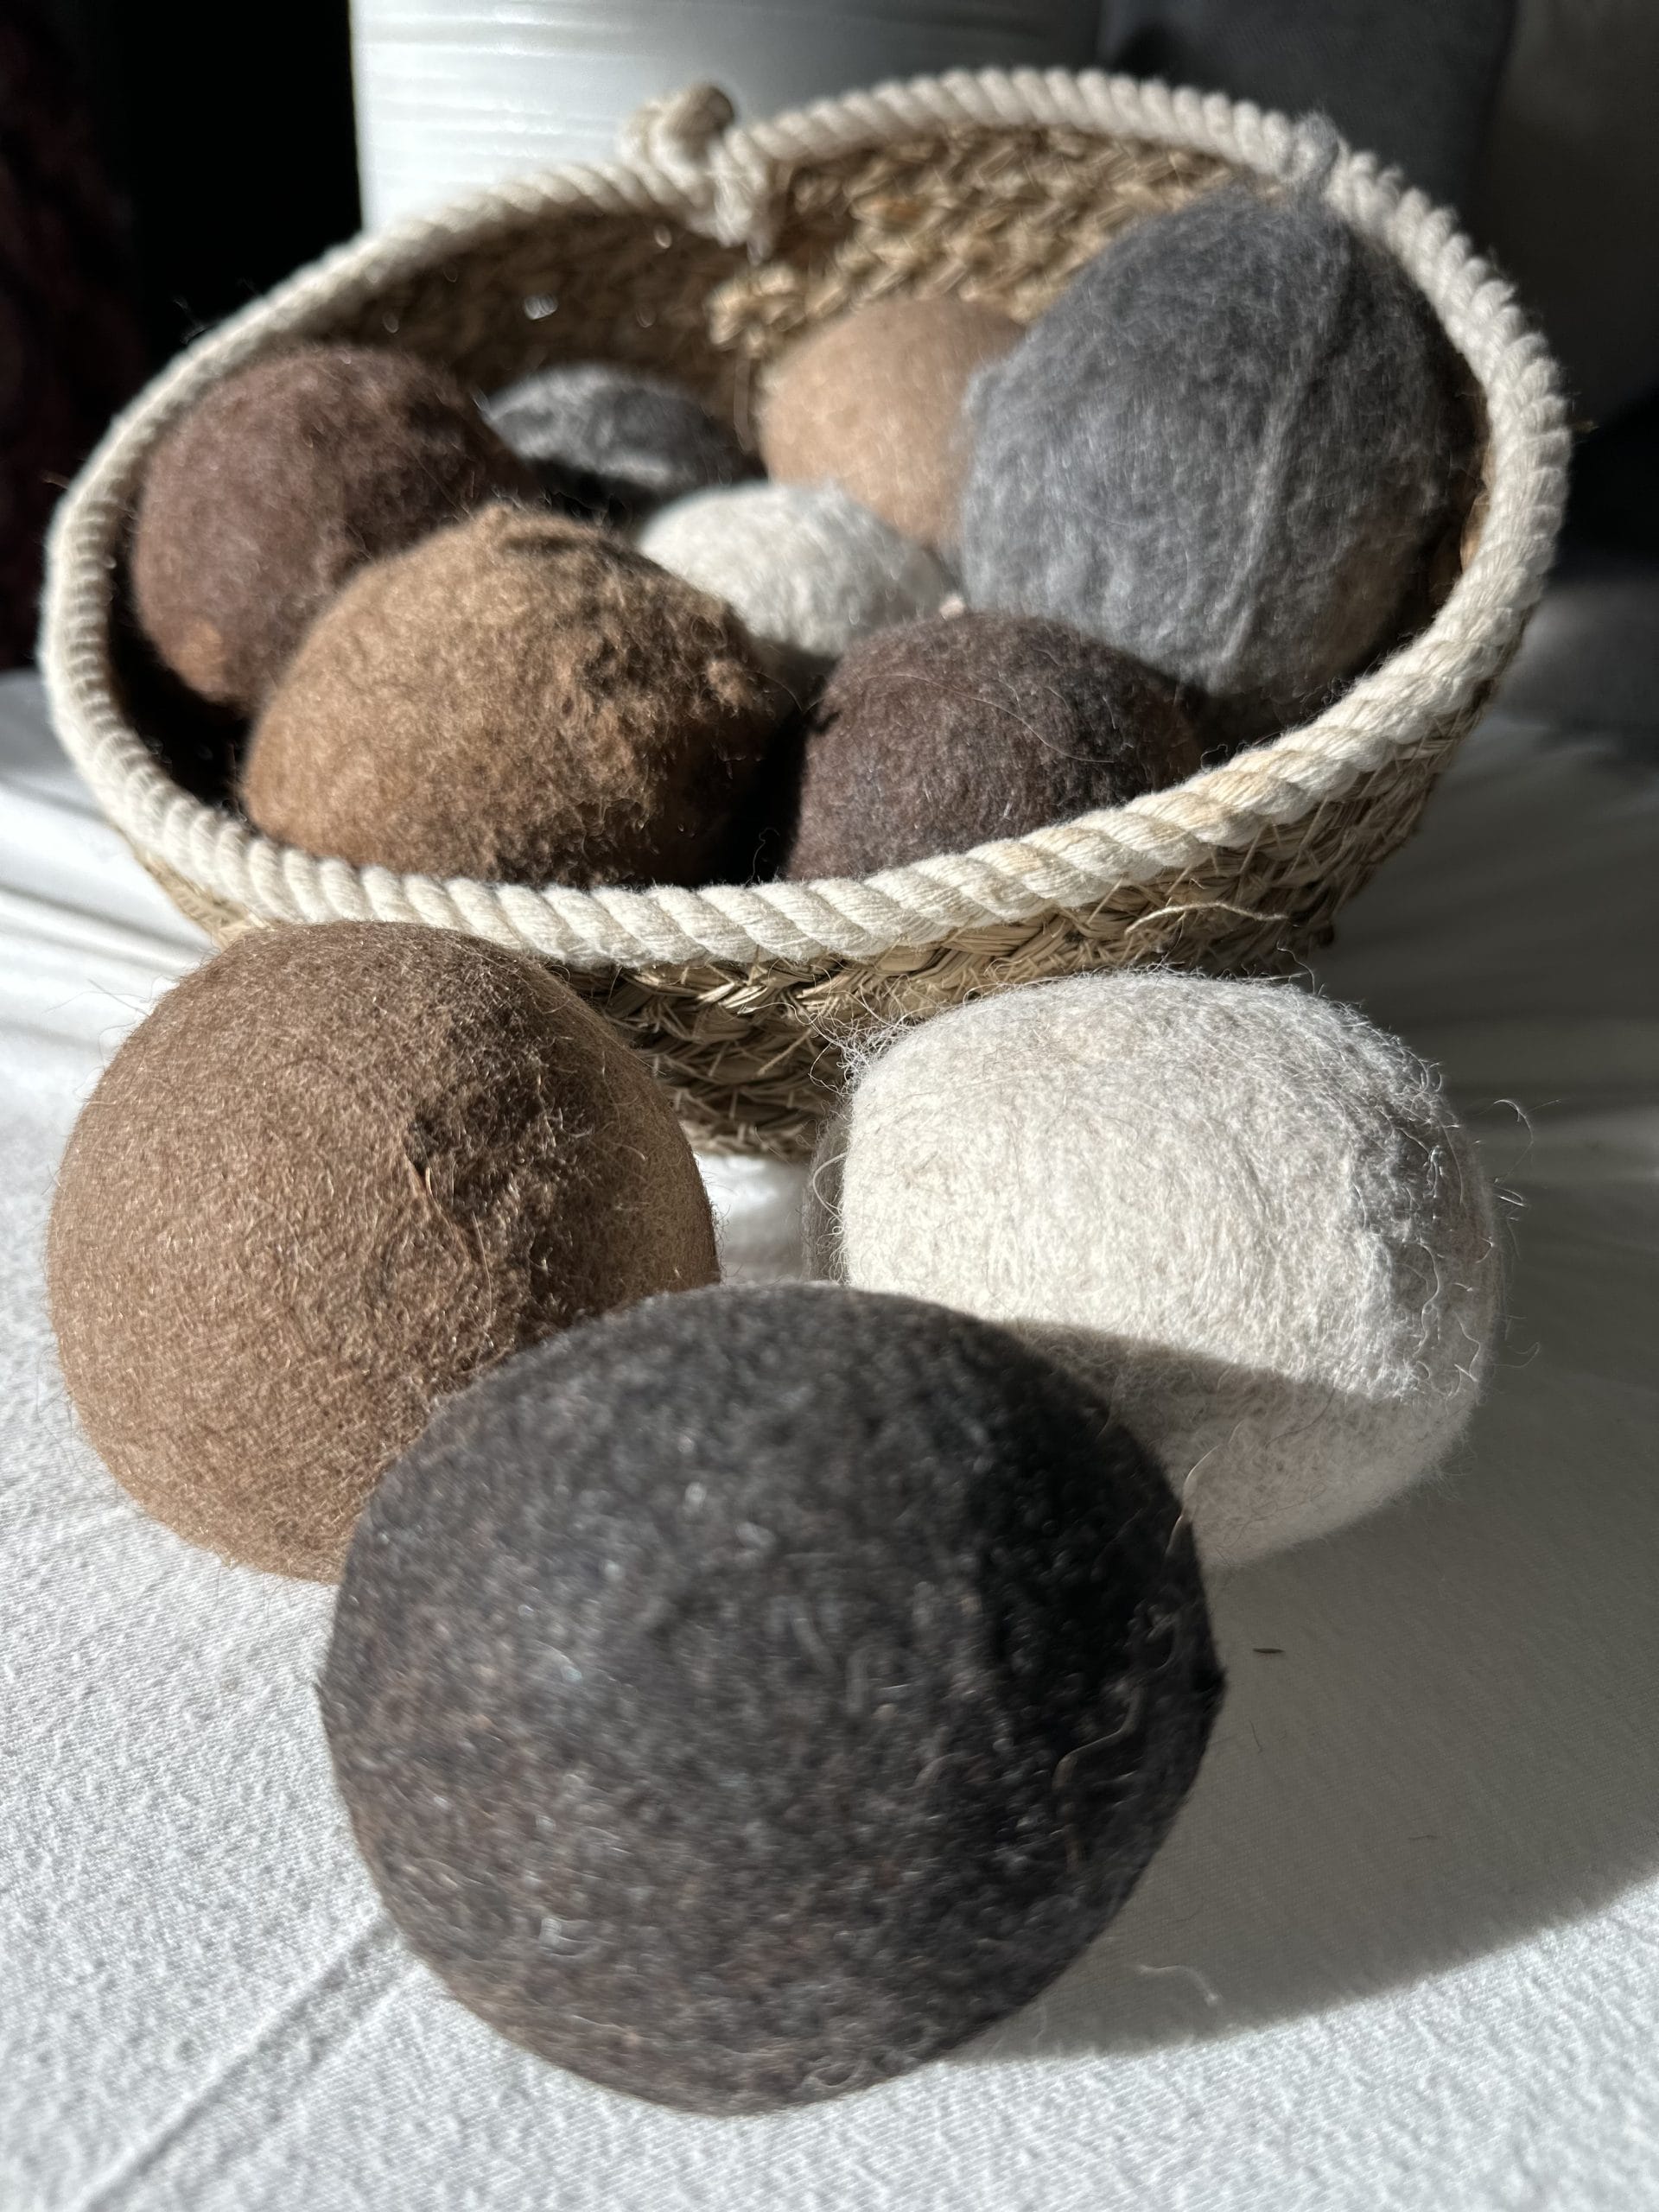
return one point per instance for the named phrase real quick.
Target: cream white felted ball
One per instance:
(1243, 1211)
(806, 568)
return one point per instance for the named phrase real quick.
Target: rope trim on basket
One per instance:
(686, 159)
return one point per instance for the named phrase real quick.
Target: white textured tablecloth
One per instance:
(1402, 1949)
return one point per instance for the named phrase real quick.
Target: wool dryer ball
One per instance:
(938, 736)
(874, 402)
(806, 568)
(753, 1694)
(282, 482)
(340, 1169)
(1231, 447)
(613, 441)
(1249, 1217)
(520, 697)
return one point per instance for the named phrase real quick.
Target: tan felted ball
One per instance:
(284, 480)
(338, 1172)
(520, 697)
(874, 400)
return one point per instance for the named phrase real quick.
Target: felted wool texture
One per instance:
(1245, 1214)
(874, 402)
(938, 736)
(284, 480)
(614, 442)
(338, 1169)
(752, 1695)
(1231, 447)
(520, 697)
(806, 568)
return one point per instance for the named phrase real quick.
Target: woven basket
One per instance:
(701, 251)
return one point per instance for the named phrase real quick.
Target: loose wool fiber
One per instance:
(1231, 447)
(942, 734)
(874, 402)
(615, 443)
(752, 1695)
(338, 1169)
(806, 568)
(520, 697)
(1249, 1218)
(284, 480)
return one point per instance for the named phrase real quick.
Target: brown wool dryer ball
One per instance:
(339, 1171)
(874, 400)
(281, 482)
(942, 734)
(521, 698)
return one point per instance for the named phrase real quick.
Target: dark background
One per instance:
(227, 134)
(160, 163)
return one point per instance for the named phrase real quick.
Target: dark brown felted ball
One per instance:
(944, 734)
(522, 697)
(281, 482)
(752, 1695)
(338, 1171)
(874, 400)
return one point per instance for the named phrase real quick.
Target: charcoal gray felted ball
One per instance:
(1231, 447)
(614, 442)
(281, 483)
(756, 1694)
(935, 736)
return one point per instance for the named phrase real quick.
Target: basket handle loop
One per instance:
(689, 141)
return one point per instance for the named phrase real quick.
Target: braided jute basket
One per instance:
(702, 252)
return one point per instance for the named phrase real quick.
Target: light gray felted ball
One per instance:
(615, 443)
(1247, 1216)
(1232, 447)
(805, 567)
(768, 1694)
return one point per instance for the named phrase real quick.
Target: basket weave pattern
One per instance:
(703, 252)
(1002, 217)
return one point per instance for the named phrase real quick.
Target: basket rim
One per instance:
(722, 182)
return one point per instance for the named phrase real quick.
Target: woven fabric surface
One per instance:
(1397, 1955)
